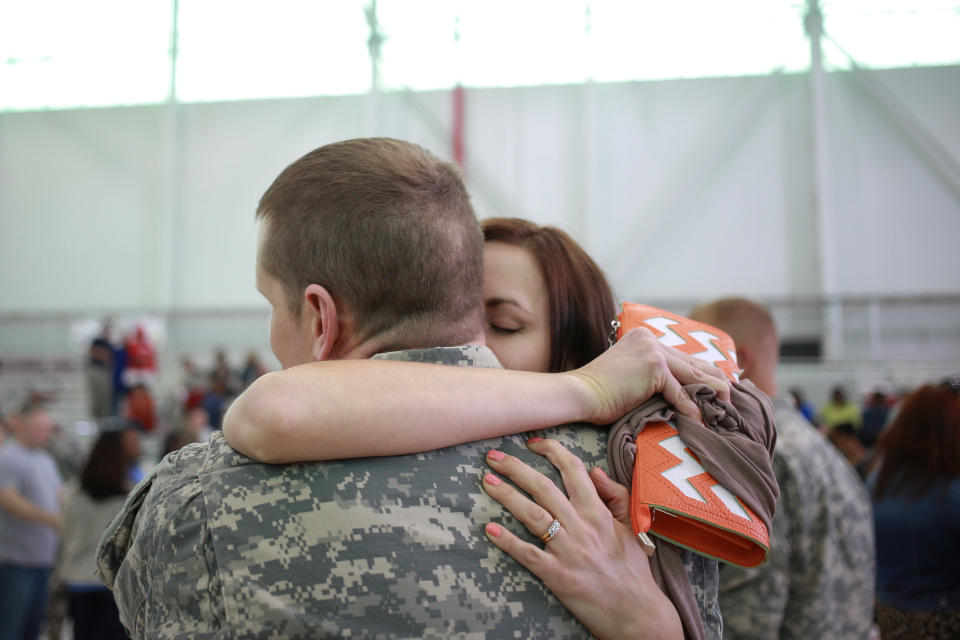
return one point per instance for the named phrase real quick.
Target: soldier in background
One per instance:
(818, 581)
(213, 542)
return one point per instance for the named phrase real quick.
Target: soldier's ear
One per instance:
(325, 321)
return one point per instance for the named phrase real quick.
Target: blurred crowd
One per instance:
(203, 396)
(907, 451)
(57, 495)
(121, 373)
(59, 490)
(852, 427)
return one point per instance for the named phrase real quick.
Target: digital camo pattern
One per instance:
(704, 576)
(215, 544)
(818, 581)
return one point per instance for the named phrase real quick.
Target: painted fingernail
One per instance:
(534, 440)
(492, 479)
(493, 529)
(495, 455)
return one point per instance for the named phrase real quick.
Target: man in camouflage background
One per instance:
(368, 248)
(818, 581)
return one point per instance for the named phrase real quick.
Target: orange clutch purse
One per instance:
(673, 497)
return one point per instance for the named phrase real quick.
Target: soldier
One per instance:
(370, 249)
(818, 581)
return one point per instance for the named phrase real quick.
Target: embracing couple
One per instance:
(362, 490)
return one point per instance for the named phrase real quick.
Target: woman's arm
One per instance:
(354, 408)
(593, 564)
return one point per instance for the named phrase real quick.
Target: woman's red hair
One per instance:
(922, 444)
(581, 303)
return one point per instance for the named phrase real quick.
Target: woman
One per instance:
(548, 304)
(88, 508)
(916, 501)
(548, 309)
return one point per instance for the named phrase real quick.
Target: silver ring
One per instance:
(551, 532)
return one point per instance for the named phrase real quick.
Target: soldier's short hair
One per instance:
(746, 321)
(388, 229)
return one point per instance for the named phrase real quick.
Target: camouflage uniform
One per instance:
(818, 581)
(704, 576)
(214, 544)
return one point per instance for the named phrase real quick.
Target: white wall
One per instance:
(680, 189)
(84, 200)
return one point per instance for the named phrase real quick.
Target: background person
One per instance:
(803, 405)
(196, 424)
(840, 410)
(847, 441)
(88, 507)
(916, 506)
(29, 523)
(253, 368)
(875, 414)
(818, 578)
(99, 375)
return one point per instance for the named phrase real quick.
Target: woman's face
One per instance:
(517, 311)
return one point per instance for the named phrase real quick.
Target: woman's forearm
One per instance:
(353, 408)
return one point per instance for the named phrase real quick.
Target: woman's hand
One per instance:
(593, 564)
(639, 366)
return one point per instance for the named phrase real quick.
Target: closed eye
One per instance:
(504, 330)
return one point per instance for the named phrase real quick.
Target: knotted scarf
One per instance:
(734, 444)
